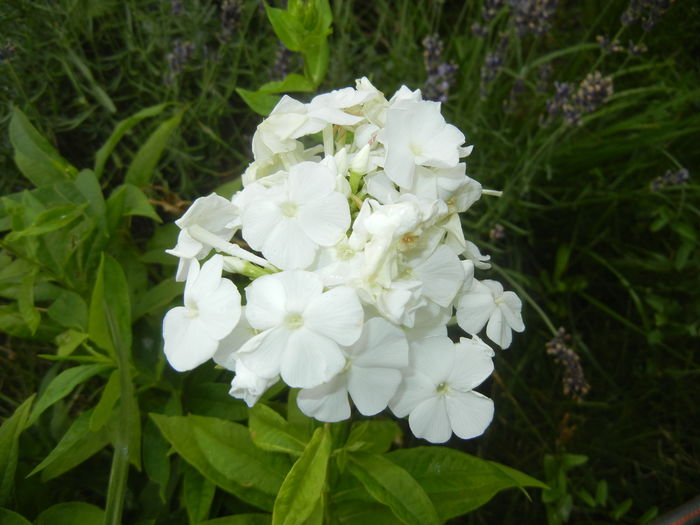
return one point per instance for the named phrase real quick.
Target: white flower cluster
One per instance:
(357, 260)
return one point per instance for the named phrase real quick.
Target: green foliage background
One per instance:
(588, 242)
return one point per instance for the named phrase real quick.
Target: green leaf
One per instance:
(34, 156)
(261, 103)
(119, 131)
(316, 57)
(197, 494)
(8, 517)
(157, 297)
(393, 486)
(9, 447)
(372, 436)
(223, 452)
(68, 341)
(25, 302)
(270, 431)
(109, 323)
(621, 509)
(127, 200)
(69, 310)
(287, 29)
(71, 513)
(144, 163)
(303, 486)
(49, 220)
(457, 482)
(241, 519)
(77, 444)
(103, 410)
(292, 83)
(62, 385)
(156, 462)
(360, 512)
(89, 187)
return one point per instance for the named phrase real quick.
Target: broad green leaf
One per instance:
(144, 163)
(87, 184)
(156, 462)
(393, 486)
(359, 512)
(303, 486)
(25, 303)
(103, 410)
(128, 199)
(49, 221)
(68, 341)
(290, 84)
(71, 513)
(287, 29)
(241, 519)
(316, 57)
(261, 103)
(372, 436)
(223, 452)
(69, 310)
(197, 494)
(457, 482)
(119, 131)
(34, 156)
(109, 323)
(62, 385)
(270, 431)
(211, 399)
(227, 189)
(156, 297)
(8, 517)
(303, 424)
(77, 444)
(9, 447)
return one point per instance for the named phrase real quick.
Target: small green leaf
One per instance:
(621, 509)
(393, 486)
(303, 486)
(77, 444)
(62, 385)
(601, 493)
(261, 103)
(197, 494)
(71, 513)
(156, 462)
(49, 220)
(25, 303)
(68, 341)
(34, 156)
(103, 410)
(69, 310)
(9, 447)
(127, 200)
(156, 297)
(292, 83)
(8, 517)
(119, 131)
(270, 431)
(287, 29)
(372, 436)
(144, 163)
(316, 57)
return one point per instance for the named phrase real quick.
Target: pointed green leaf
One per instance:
(290, 84)
(316, 57)
(49, 220)
(68, 341)
(241, 519)
(223, 452)
(62, 385)
(457, 482)
(126, 200)
(25, 303)
(119, 131)
(261, 103)
(144, 163)
(157, 297)
(156, 462)
(69, 310)
(8, 517)
(103, 410)
(270, 431)
(303, 486)
(71, 513)
(393, 486)
(372, 436)
(287, 29)
(77, 444)
(34, 156)
(197, 495)
(9, 447)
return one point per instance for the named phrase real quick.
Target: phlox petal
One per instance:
(471, 367)
(382, 345)
(469, 413)
(336, 314)
(327, 402)
(262, 353)
(371, 389)
(498, 330)
(474, 308)
(266, 302)
(187, 342)
(325, 221)
(288, 247)
(430, 421)
(248, 386)
(414, 389)
(300, 288)
(310, 181)
(259, 219)
(309, 359)
(511, 308)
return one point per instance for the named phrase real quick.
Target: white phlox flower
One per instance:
(485, 303)
(288, 222)
(437, 394)
(347, 237)
(371, 375)
(212, 309)
(301, 328)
